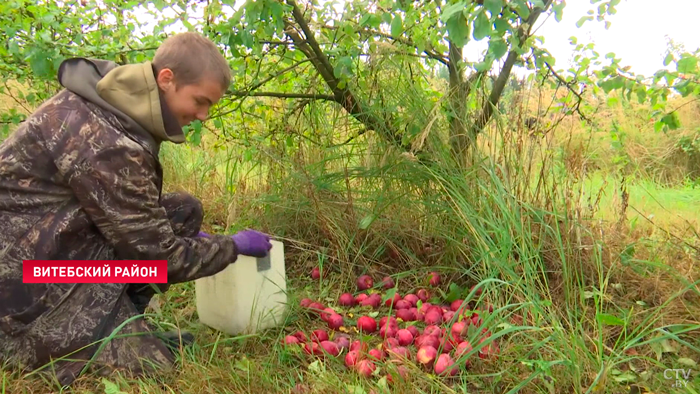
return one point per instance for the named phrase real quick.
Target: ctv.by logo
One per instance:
(681, 376)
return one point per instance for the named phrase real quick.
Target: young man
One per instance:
(81, 180)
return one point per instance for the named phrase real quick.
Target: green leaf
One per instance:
(583, 20)
(625, 377)
(493, 6)
(668, 59)
(609, 320)
(482, 26)
(111, 388)
(40, 64)
(389, 294)
(450, 11)
(364, 21)
(457, 30)
(672, 121)
(367, 221)
(687, 64)
(558, 9)
(687, 361)
(454, 294)
(498, 47)
(396, 26)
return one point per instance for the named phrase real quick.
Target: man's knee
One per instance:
(185, 212)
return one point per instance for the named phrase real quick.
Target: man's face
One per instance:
(189, 102)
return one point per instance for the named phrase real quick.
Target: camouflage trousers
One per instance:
(70, 329)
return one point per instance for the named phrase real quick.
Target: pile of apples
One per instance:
(435, 336)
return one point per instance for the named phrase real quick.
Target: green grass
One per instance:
(666, 207)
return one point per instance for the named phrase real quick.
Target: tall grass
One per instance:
(591, 306)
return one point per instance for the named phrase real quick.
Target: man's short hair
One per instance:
(190, 56)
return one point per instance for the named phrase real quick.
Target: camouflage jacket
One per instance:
(80, 179)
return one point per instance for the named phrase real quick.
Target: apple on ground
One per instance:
(364, 282)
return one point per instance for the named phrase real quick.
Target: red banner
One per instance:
(95, 271)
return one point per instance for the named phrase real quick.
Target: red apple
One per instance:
(427, 340)
(412, 298)
(420, 316)
(366, 324)
(462, 350)
(456, 305)
(374, 301)
(326, 313)
(351, 358)
(405, 337)
(406, 314)
(387, 319)
(364, 282)
(390, 343)
(478, 291)
(388, 331)
(400, 353)
(305, 302)
(432, 330)
(446, 344)
(433, 318)
(343, 342)
(444, 366)
(434, 278)
(360, 297)
(413, 330)
(402, 373)
(330, 348)
(476, 319)
(316, 273)
(387, 282)
(376, 354)
(359, 346)
(391, 301)
(423, 295)
(459, 329)
(291, 340)
(448, 316)
(317, 307)
(403, 304)
(335, 321)
(426, 356)
(346, 299)
(366, 368)
(301, 336)
(313, 348)
(319, 336)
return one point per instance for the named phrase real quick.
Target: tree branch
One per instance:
(500, 84)
(342, 96)
(577, 107)
(432, 55)
(273, 76)
(311, 96)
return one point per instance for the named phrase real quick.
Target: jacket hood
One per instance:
(129, 91)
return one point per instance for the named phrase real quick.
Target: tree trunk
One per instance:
(458, 93)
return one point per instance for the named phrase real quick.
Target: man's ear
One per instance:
(165, 79)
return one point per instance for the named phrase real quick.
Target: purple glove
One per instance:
(248, 242)
(252, 243)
